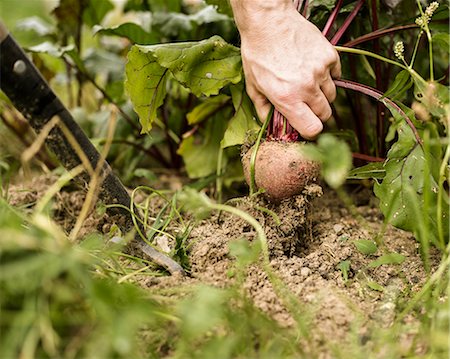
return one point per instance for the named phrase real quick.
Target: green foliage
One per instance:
(68, 13)
(204, 67)
(334, 156)
(200, 151)
(133, 32)
(63, 300)
(52, 303)
(344, 267)
(173, 24)
(243, 123)
(402, 83)
(388, 258)
(410, 178)
(207, 108)
(373, 170)
(366, 246)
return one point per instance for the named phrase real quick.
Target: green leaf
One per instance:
(68, 14)
(335, 158)
(153, 5)
(146, 85)
(389, 258)
(401, 84)
(204, 67)
(133, 32)
(245, 252)
(408, 170)
(243, 122)
(203, 312)
(344, 267)
(206, 109)
(366, 246)
(54, 50)
(373, 170)
(200, 151)
(329, 4)
(435, 97)
(51, 48)
(442, 40)
(96, 10)
(174, 23)
(36, 24)
(198, 203)
(375, 286)
(366, 65)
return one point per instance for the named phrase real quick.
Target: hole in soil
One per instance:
(303, 245)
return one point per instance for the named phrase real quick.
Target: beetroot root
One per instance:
(281, 169)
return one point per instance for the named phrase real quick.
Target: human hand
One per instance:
(287, 62)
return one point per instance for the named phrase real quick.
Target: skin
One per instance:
(281, 169)
(287, 62)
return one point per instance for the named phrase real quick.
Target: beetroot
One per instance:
(281, 169)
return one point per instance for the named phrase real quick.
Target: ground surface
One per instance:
(309, 238)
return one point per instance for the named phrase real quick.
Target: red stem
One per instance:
(332, 18)
(280, 130)
(347, 23)
(305, 8)
(374, 93)
(379, 33)
(379, 82)
(361, 156)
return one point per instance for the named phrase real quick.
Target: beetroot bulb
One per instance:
(281, 167)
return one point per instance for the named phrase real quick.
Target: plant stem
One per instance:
(377, 34)
(219, 179)
(441, 191)
(369, 91)
(332, 18)
(416, 46)
(371, 54)
(255, 151)
(347, 23)
(430, 51)
(361, 156)
(379, 83)
(305, 8)
(426, 28)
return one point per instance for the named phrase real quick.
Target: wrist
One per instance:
(251, 15)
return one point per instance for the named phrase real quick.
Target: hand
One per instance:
(288, 63)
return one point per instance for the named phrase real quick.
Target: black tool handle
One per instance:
(21, 81)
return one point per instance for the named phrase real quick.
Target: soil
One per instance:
(309, 236)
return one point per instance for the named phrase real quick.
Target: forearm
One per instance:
(249, 14)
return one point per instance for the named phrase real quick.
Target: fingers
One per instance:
(303, 119)
(320, 106)
(336, 69)
(329, 90)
